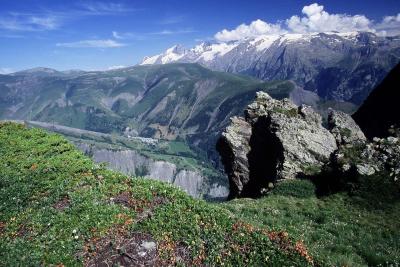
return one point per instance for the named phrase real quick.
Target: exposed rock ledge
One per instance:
(132, 163)
(278, 140)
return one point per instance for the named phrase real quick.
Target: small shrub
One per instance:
(311, 170)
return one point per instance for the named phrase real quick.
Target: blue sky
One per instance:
(101, 34)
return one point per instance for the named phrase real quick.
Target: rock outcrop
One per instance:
(234, 147)
(276, 140)
(344, 128)
(382, 155)
(132, 163)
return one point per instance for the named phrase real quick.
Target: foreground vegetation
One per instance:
(58, 208)
(338, 230)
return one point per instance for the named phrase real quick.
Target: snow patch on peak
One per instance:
(150, 60)
(172, 54)
(171, 57)
(214, 50)
(251, 47)
(293, 37)
(348, 35)
(200, 48)
(264, 42)
(176, 49)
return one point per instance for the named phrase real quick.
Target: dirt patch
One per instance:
(139, 249)
(123, 199)
(23, 231)
(120, 247)
(182, 253)
(175, 254)
(62, 204)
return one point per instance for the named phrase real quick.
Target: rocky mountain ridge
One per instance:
(336, 66)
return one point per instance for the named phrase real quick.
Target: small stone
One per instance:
(346, 167)
(148, 245)
(376, 139)
(364, 169)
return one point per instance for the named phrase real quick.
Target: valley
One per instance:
(168, 161)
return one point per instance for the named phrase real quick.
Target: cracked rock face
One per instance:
(344, 128)
(276, 140)
(234, 147)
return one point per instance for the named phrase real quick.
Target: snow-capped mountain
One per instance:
(339, 66)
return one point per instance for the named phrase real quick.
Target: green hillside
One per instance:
(59, 208)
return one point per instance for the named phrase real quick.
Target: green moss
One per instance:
(310, 170)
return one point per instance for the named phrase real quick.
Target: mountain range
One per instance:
(336, 66)
(167, 97)
(174, 101)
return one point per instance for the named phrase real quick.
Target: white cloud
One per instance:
(29, 22)
(125, 35)
(390, 25)
(100, 8)
(255, 28)
(312, 9)
(44, 20)
(172, 32)
(314, 19)
(116, 35)
(318, 20)
(92, 44)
